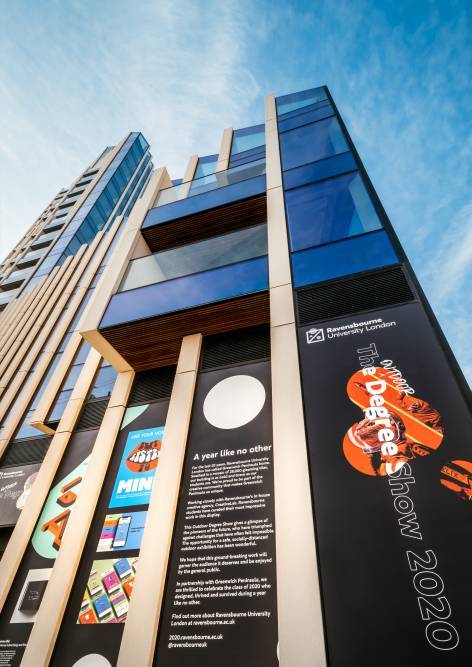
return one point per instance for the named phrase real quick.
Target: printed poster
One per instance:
(133, 484)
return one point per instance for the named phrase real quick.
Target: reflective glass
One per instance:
(206, 165)
(104, 382)
(45, 381)
(304, 98)
(59, 406)
(187, 292)
(211, 182)
(25, 430)
(304, 118)
(247, 138)
(211, 253)
(311, 142)
(316, 171)
(247, 156)
(84, 349)
(360, 253)
(72, 376)
(329, 210)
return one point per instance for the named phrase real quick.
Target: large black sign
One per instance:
(220, 602)
(390, 445)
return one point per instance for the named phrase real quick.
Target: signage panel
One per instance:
(390, 449)
(15, 486)
(220, 601)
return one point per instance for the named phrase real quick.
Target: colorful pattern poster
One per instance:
(133, 483)
(47, 537)
(109, 588)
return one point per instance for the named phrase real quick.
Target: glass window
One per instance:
(317, 171)
(206, 165)
(312, 114)
(247, 138)
(311, 142)
(342, 258)
(329, 211)
(209, 254)
(59, 405)
(72, 376)
(211, 182)
(25, 430)
(104, 382)
(81, 356)
(304, 98)
(45, 381)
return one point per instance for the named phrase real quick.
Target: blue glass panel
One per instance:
(304, 98)
(316, 171)
(187, 292)
(247, 138)
(25, 430)
(247, 156)
(104, 382)
(207, 200)
(206, 165)
(306, 109)
(59, 406)
(312, 142)
(329, 210)
(72, 376)
(304, 118)
(360, 253)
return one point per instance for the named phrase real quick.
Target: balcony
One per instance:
(6, 298)
(30, 259)
(197, 209)
(187, 292)
(43, 240)
(54, 225)
(15, 279)
(159, 314)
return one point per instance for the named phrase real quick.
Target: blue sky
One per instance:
(78, 75)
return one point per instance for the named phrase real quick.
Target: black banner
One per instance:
(220, 602)
(390, 445)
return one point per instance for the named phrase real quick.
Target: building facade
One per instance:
(232, 429)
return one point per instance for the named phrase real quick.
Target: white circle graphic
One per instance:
(235, 401)
(92, 660)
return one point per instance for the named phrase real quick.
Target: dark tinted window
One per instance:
(304, 98)
(329, 210)
(311, 142)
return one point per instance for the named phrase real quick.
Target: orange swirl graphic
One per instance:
(413, 425)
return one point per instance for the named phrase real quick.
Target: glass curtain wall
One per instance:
(334, 229)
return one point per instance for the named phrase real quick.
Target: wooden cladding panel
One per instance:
(156, 341)
(210, 222)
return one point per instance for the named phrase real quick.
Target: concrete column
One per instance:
(148, 592)
(300, 622)
(186, 184)
(225, 150)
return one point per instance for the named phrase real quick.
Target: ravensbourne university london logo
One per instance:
(314, 335)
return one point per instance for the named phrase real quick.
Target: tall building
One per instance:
(232, 429)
